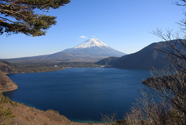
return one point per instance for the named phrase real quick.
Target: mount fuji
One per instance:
(93, 47)
(89, 51)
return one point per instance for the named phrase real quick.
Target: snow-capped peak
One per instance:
(93, 42)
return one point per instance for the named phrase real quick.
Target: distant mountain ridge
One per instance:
(7, 67)
(144, 59)
(91, 50)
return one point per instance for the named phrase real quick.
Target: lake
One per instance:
(80, 94)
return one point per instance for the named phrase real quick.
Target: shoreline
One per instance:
(8, 90)
(63, 68)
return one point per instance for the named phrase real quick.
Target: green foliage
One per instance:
(3, 99)
(27, 118)
(15, 104)
(6, 114)
(20, 16)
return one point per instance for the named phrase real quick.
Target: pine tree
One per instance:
(21, 16)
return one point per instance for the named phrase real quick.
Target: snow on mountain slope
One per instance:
(93, 42)
(93, 47)
(91, 50)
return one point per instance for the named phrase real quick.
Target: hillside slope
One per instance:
(107, 61)
(7, 67)
(19, 114)
(6, 84)
(144, 59)
(13, 113)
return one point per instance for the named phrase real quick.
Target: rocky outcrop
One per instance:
(6, 84)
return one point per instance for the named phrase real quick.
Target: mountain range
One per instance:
(94, 50)
(91, 50)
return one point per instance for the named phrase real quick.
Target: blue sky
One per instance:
(124, 25)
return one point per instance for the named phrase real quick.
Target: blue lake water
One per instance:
(80, 94)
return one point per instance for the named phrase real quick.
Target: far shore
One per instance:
(63, 68)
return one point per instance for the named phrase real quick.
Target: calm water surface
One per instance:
(81, 94)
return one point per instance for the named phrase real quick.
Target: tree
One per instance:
(169, 84)
(21, 16)
(170, 87)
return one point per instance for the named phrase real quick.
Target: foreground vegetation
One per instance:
(169, 85)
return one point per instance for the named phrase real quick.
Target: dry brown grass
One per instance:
(6, 84)
(32, 116)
